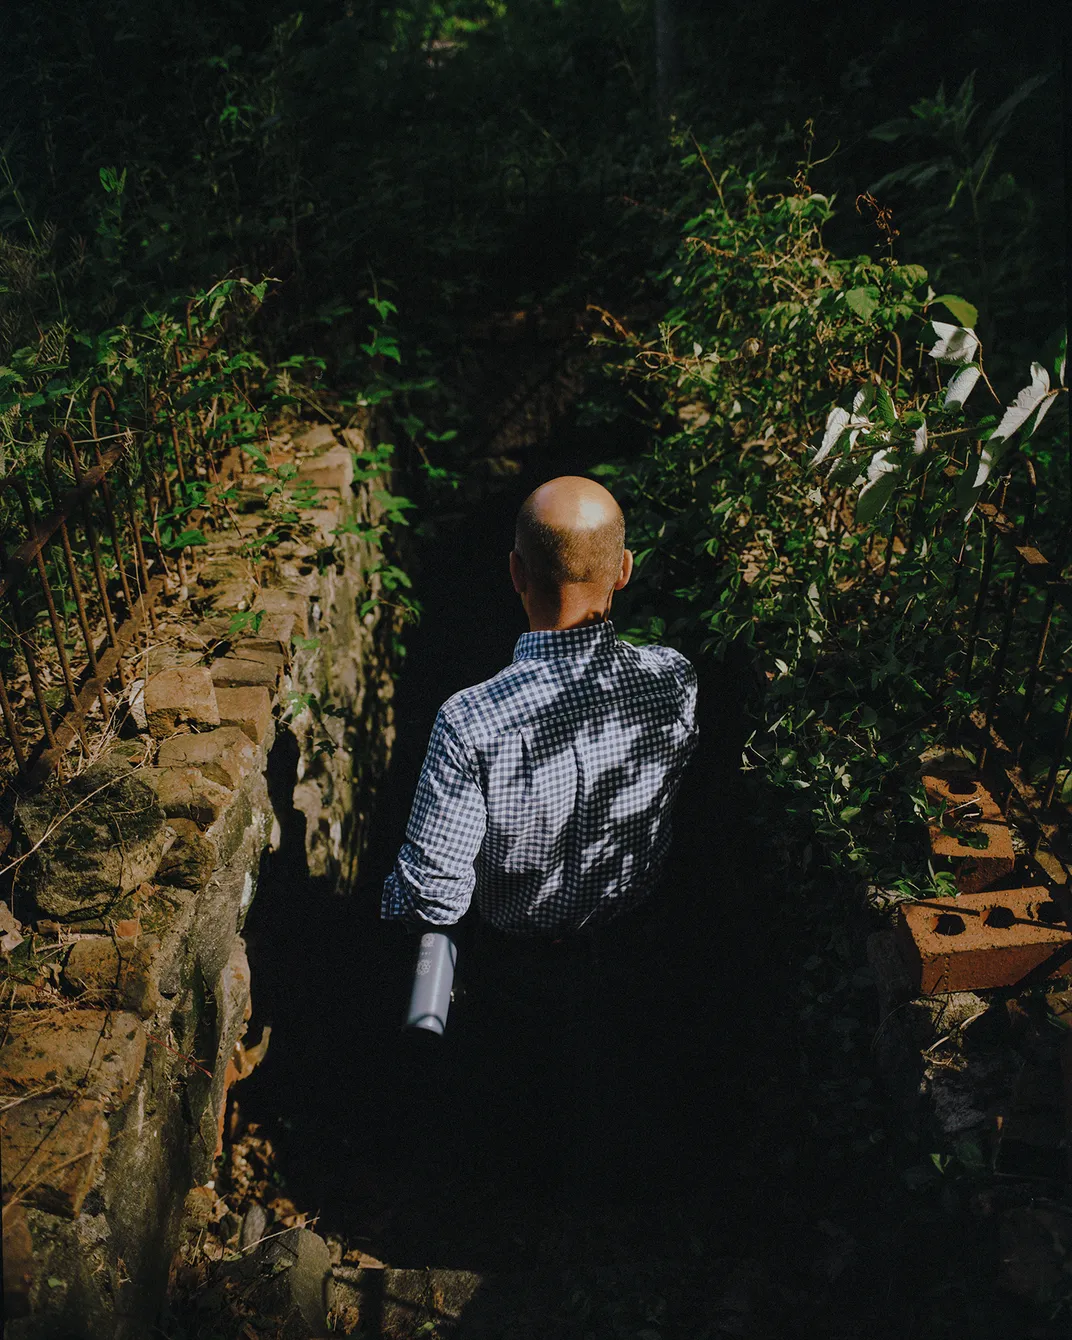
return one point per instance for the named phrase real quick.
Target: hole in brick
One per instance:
(1001, 918)
(960, 786)
(1049, 914)
(949, 924)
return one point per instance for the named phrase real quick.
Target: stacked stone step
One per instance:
(128, 987)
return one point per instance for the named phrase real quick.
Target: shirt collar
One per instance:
(550, 643)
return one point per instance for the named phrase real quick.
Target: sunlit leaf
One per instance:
(955, 344)
(836, 423)
(881, 478)
(1025, 404)
(972, 482)
(961, 386)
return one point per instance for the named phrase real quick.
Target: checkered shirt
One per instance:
(546, 791)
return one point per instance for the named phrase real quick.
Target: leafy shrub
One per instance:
(827, 540)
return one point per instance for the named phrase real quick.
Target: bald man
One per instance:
(546, 791)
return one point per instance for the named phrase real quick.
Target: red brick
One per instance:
(984, 940)
(971, 809)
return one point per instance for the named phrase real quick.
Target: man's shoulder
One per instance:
(510, 695)
(661, 661)
(526, 690)
(659, 653)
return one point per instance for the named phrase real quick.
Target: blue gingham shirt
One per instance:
(546, 791)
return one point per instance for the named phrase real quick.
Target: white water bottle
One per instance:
(433, 978)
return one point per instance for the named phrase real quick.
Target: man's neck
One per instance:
(575, 613)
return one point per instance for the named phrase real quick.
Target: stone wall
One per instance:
(126, 985)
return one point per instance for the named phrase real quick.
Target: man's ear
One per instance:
(627, 570)
(517, 572)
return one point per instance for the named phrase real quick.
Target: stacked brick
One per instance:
(971, 986)
(1006, 937)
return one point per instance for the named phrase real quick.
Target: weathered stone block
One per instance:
(223, 755)
(235, 671)
(124, 970)
(316, 438)
(52, 1150)
(285, 602)
(225, 570)
(20, 1267)
(230, 597)
(181, 696)
(251, 651)
(235, 1007)
(247, 706)
(10, 931)
(165, 656)
(334, 469)
(213, 629)
(186, 793)
(288, 1278)
(95, 840)
(97, 1053)
(231, 830)
(191, 858)
(273, 633)
(405, 1302)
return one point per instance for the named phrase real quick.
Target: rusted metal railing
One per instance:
(1024, 613)
(113, 499)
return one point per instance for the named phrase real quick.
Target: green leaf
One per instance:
(890, 131)
(913, 275)
(245, 621)
(863, 301)
(876, 493)
(187, 537)
(884, 405)
(963, 312)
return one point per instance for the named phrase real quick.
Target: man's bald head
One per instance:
(571, 531)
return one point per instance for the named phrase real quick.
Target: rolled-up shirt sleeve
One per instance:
(434, 876)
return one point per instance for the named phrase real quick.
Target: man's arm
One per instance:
(434, 875)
